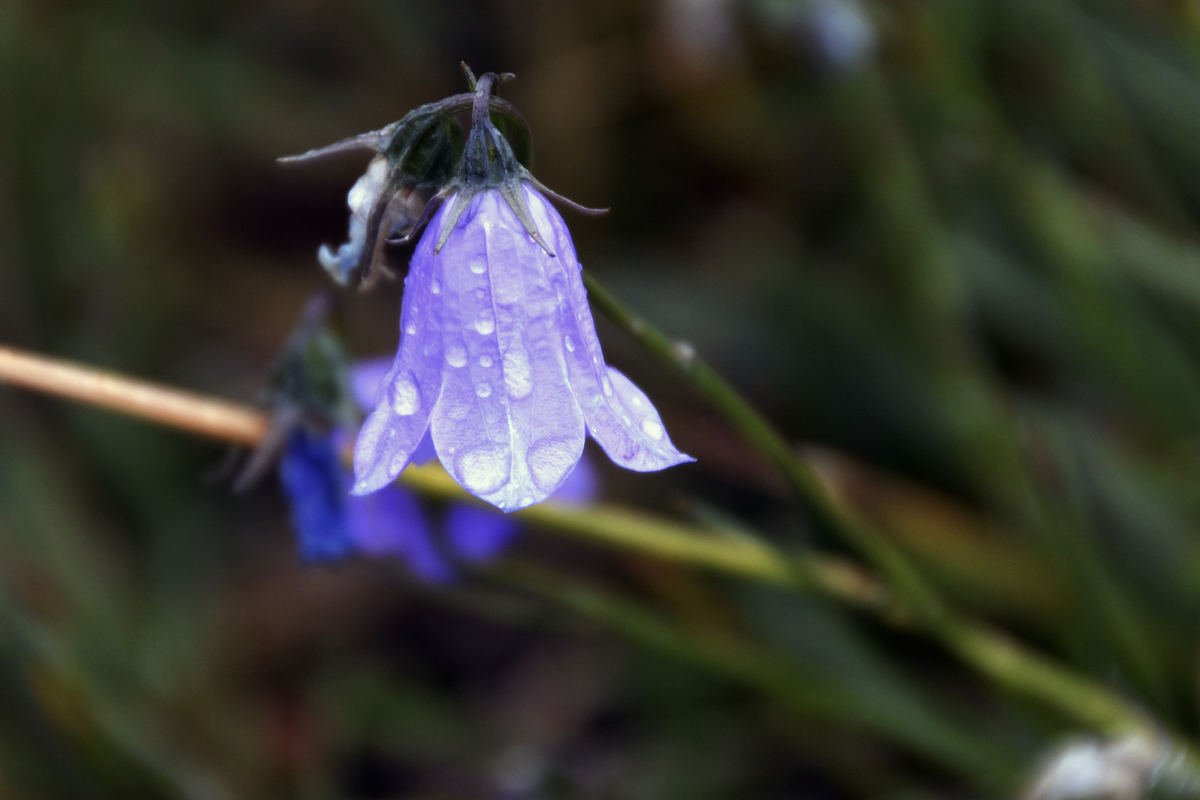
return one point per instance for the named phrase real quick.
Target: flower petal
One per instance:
(478, 534)
(314, 484)
(619, 415)
(392, 523)
(633, 435)
(366, 377)
(581, 487)
(394, 430)
(507, 427)
(381, 523)
(366, 380)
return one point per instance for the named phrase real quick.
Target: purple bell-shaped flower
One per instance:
(499, 361)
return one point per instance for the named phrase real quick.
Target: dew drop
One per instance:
(637, 402)
(485, 361)
(479, 293)
(652, 429)
(485, 324)
(456, 355)
(479, 265)
(570, 343)
(410, 328)
(405, 397)
(607, 384)
(484, 469)
(436, 286)
(483, 390)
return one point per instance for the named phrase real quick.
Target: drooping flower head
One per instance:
(499, 362)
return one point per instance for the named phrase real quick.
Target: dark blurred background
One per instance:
(951, 246)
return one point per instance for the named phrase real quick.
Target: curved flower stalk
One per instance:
(499, 362)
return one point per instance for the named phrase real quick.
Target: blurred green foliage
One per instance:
(952, 246)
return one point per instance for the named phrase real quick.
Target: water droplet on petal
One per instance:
(625, 418)
(518, 373)
(456, 355)
(405, 397)
(484, 390)
(410, 328)
(436, 286)
(485, 361)
(479, 265)
(607, 384)
(652, 429)
(483, 469)
(570, 343)
(637, 402)
(485, 324)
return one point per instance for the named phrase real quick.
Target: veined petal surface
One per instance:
(508, 426)
(619, 416)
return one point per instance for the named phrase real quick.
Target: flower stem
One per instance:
(163, 404)
(1002, 659)
(1006, 661)
(913, 590)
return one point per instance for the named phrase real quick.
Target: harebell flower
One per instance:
(499, 363)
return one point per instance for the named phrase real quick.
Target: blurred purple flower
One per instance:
(332, 524)
(500, 363)
(311, 474)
